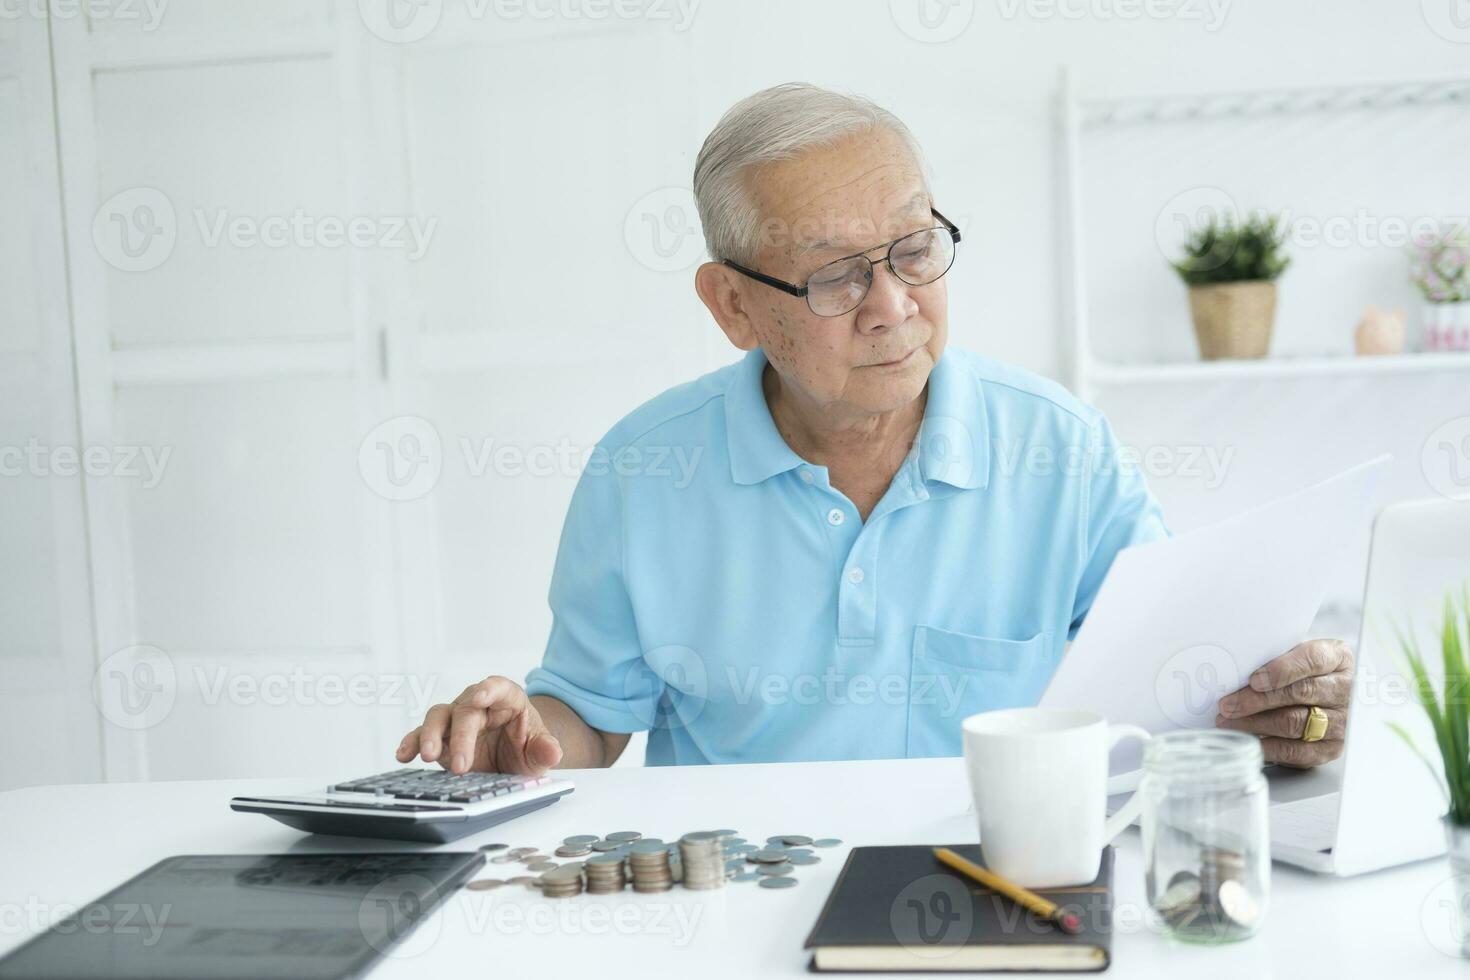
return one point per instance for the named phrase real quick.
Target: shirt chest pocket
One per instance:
(955, 675)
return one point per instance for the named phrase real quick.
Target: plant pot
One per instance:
(1446, 327)
(1233, 319)
(1457, 837)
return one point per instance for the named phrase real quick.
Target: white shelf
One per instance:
(1187, 108)
(1104, 373)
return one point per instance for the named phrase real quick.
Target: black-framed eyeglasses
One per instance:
(840, 286)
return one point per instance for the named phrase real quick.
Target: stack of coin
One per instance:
(649, 862)
(703, 860)
(1216, 867)
(605, 874)
(1216, 901)
(1179, 905)
(562, 882)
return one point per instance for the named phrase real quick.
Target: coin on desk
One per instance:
(484, 884)
(780, 881)
(766, 856)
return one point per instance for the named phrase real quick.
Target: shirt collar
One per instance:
(953, 445)
(757, 451)
(954, 440)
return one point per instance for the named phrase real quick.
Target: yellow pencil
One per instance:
(1051, 911)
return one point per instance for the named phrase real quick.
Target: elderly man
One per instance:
(867, 550)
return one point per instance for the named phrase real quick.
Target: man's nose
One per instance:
(888, 302)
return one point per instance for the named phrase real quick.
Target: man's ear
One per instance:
(718, 287)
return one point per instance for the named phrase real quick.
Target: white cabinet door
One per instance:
(558, 294)
(47, 722)
(223, 242)
(359, 297)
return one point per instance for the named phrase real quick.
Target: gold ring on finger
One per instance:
(1316, 727)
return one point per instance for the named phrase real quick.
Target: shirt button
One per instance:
(855, 576)
(921, 493)
(835, 517)
(807, 478)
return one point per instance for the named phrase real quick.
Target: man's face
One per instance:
(822, 206)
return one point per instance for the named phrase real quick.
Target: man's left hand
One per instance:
(1275, 702)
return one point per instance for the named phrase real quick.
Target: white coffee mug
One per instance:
(1040, 781)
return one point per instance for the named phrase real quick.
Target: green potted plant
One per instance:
(1450, 721)
(1231, 272)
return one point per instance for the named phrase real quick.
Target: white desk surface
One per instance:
(65, 845)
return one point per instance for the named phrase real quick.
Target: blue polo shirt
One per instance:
(713, 588)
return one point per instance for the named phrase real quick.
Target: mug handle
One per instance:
(1126, 813)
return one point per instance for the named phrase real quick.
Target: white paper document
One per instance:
(1179, 623)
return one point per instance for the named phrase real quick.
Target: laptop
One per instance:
(1377, 805)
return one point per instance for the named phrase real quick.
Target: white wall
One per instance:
(554, 295)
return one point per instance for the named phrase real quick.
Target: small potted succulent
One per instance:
(1450, 719)
(1439, 264)
(1231, 272)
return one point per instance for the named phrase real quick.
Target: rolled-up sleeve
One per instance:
(1118, 511)
(594, 660)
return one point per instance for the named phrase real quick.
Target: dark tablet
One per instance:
(251, 915)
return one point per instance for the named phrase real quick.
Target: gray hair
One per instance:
(774, 124)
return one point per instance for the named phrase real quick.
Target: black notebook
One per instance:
(900, 908)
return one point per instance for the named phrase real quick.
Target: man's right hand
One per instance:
(491, 727)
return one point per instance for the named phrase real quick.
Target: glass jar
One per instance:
(1206, 842)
